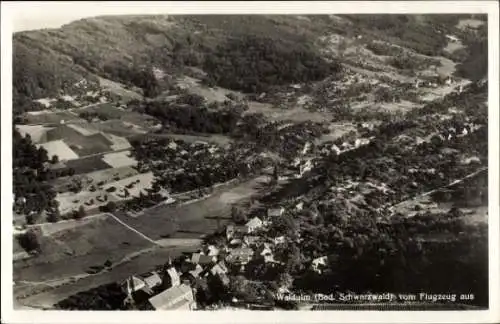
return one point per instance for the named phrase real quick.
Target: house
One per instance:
(279, 240)
(306, 148)
(319, 264)
(202, 259)
(306, 167)
(195, 273)
(275, 212)
(175, 298)
(251, 239)
(212, 250)
(136, 290)
(240, 255)
(219, 271)
(299, 206)
(132, 284)
(152, 280)
(336, 149)
(229, 231)
(253, 225)
(172, 145)
(267, 253)
(171, 278)
(235, 242)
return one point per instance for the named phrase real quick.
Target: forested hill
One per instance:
(119, 48)
(247, 53)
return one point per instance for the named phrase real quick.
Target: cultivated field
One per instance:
(50, 118)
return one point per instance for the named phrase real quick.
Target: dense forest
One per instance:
(254, 64)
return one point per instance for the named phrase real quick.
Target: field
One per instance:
(118, 89)
(119, 159)
(49, 278)
(72, 251)
(87, 164)
(48, 117)
(111, 112)
(36, 132)
(115, 127)
(193, 219)
(59, 148)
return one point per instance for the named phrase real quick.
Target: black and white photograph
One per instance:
(249, 161)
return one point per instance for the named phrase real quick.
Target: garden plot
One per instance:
(59, 148)
(36, 132)
(134, 185)
(119, 159)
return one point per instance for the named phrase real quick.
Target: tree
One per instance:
(110, 207)
(29, 242)
(53, 216)
(80, 213)
(285, 280)
(237, 215)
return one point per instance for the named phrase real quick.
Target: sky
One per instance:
(38, 15)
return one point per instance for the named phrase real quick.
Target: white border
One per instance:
(61, 9)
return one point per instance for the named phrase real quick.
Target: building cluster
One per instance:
(177, 285)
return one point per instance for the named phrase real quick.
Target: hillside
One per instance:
(247, 53)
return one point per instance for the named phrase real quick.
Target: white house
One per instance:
(306, 167)
(336, 149)
(306, 148)
(299, 206)
(279, 240)
(319, 264)
(253, 225)
(452, 38)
